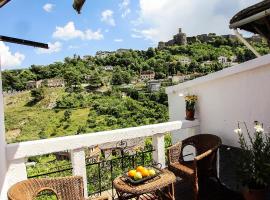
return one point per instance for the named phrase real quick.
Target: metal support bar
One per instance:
(246, 43)
(23, 42)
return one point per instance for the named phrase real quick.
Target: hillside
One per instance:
(127, 65)
(76, 113)
(108, 91)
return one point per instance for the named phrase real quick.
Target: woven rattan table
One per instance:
(160, 187)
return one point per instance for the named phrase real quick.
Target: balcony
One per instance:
(93, 171)
(239, 93)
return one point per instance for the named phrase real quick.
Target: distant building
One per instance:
(185, 60)
(255, 38)
(87, 57)
(161, 45)
(108, 68)
(222, 59)
(154, 85)
(92, 155)
(87, 77)
(233, 58)
(147, 75)
(115, 148)
(208, 62)
(54, 82)
(179, 39)
(33, 84)
(180, 78)
(103, 54)
(205, 37)
(122, 50)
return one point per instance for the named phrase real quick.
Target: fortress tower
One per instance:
(179, 39)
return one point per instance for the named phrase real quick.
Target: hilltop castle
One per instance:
(181, 39)
(178, 39)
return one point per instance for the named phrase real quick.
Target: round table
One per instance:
(162, 185)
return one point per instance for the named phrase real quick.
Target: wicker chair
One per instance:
(203, 165)
(67, 188)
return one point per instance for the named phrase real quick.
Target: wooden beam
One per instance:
(23, 42)
(262, 34)
(266, 21)
(3, 2)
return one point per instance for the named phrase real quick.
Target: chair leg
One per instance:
(219, 182)
(195, 188)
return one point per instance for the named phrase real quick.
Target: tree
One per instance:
(150, 52)
(94, 81)
(73, 80)
(38, 94)
(67, 115)
(120, 77)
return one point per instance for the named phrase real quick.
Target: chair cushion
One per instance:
(184, 167)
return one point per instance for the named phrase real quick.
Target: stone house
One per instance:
(147, 75)
(33, 84)
(154, 85)
(103, 54)
(222, 59)
(54, 82)
(116, 148)
(108, 68)
(206, 63)
(185, 60)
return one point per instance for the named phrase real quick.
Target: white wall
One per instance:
(3, 167)
(241, 93)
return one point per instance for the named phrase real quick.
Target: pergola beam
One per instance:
(3, 2)
(23, 42)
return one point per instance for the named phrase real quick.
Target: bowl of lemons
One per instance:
(141, 174)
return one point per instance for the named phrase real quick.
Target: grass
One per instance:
(87, 113)
(39, 121)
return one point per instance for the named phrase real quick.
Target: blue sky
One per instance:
(105, 25)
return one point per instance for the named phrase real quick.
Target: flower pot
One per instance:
(253, 194)
(190, 114)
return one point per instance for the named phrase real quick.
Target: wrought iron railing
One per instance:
(100, 175)
(104, 168)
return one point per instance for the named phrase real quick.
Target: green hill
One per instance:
(61, 114)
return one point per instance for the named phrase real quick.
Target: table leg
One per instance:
(172, 191)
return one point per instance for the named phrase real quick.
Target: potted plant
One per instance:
(254, 165)
(190, 106)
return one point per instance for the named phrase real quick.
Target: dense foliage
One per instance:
(128, 65)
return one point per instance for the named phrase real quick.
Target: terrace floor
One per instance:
(209, 190)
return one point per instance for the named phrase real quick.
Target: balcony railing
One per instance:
(18, 153)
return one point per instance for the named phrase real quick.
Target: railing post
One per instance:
(16, 172)
(159, 146)
(79, 166)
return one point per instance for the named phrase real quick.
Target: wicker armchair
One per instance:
(67, 188)
(203, 165)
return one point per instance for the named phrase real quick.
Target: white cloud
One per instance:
(147, 34)
(160, 20)
(107, 17)
(93, 35)
(9, 60)
(69, 32)
(48, 7)
(118, 40)
(53, 48)
(124, 7)
(136, 35)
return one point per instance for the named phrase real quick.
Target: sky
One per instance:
(105, 25)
